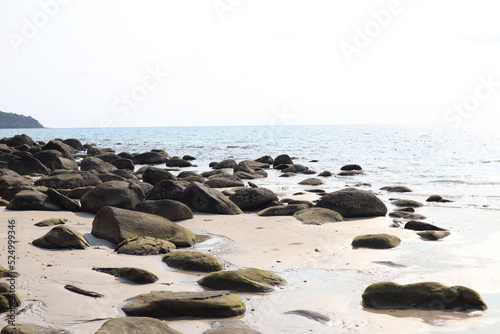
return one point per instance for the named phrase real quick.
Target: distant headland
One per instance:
(15, 121)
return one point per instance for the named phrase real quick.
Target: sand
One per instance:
(324, 273)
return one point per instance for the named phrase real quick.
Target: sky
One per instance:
(94, 63)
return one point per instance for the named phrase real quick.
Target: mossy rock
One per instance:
(318, 216)
(433, 235)
(62, 237)
(168, 304)
(144, 246)
(135, 275)
(312, 181)
(426, 295)
(31, 329)
(406, 215)
(231, 326)
(133, 325)
(243, 280)
(191, 260)
(376, 241)
(4, 272)
(282, 210)
(397, 189)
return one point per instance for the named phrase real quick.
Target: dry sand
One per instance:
(324, 273)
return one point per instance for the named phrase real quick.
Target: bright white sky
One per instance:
(248, 63)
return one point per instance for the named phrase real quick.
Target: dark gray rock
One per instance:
(253, 198)
(283, 159)
(63, 201)
(351, 167)
(27, 165)
(96, 165)
(61, 181)
(168, 189)
(325, 174)
(421, 226)
(172, 210)
(119, 194)
(151, 158)
(229, 163)
(136, 275)
(177, 162)
(74, 143)
(31, 329)
(352, 202)
(153, 175)
(433, 235)
(58, 145)
(53, 160)
(224, 181)
(204, 199)
(32, 200)
(127, 164)
(396, 189)
(407, 203)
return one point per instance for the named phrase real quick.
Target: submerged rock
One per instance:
(243, 280)
(376, 241)
(191, 260)
(397, 189)
(351, 167)
(352, 202)
(168, 304)
(134, 325)
(437, 198)
(426, 295)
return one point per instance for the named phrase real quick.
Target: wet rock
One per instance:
(406, 209)
(325, 174)
(433, 235)
(96, 165)
(31, 329)
(151, 158)
(144, 246)
(204, 199)
(426, 295)
(119, 194)
(134, 325)
(172, 210)
(282, 210)
(168, 189)
(27, 165)
(351, 167)
(318, 216)
(396, 189)
(266, 159)
(191, 260)
(232, 326)
(312, 181)
(188, 157)
(229, 163)
(350, 173)
(153, 175)
(243, 280)
(121, 163)
(283, 159)
(64, 237)
(253, 198)
(32, 200)
(376, 241)
(407, 203)
(178, 162)
(135, 275)
(168, 304)
(74, 143)
(252, 185)
(352, 202)
(406, 215)
(224, 181)
(421, 226)
(297, 168)
(51, 222)
(437, 198)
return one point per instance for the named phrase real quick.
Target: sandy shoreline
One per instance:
(324, 273)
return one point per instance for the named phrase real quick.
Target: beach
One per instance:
(325, 275)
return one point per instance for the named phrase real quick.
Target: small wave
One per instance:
(470, 183)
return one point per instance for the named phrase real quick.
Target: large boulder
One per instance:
(144, 246)
(17, 140)
(119, 194)
(74, 143)
(32, 200)
(376, 241)
(11, 179)
(124, 164)
(426, 295)
(168, 304)
(134, 325)
(63, 201)
(151, 158)
(172, 210)
(62, 237)
(117, 225)
(89, 179)
(93, 164)
(191, 260)
(352, 202)
(53, 160)
(204, 199)
(318, 216)
(283, 159)
(416, 225)
(61, 181)
(243, 280)
(178, 162)
(168, 189)
(58, 145)
(253, 198)
(27, 165)
(229, 163)
(153, 175)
